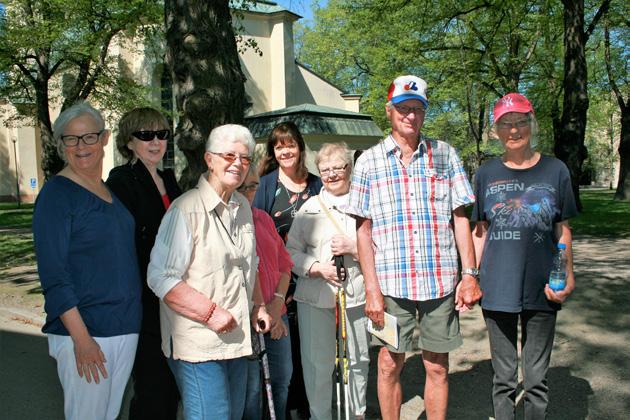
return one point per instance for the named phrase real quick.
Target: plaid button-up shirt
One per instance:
(411, 209)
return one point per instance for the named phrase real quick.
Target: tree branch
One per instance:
(600, 13)
(607, 60)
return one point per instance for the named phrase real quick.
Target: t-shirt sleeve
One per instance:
(359, 201)
(461, 191)
(52, 227)
(568, 208)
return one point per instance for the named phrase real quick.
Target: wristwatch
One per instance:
(471, 272)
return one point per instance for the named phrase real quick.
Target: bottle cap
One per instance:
(562, 246)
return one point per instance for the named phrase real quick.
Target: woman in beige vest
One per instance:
(203, 268)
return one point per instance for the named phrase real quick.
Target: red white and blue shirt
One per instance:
(411, 209)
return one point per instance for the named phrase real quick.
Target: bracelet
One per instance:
(279, 295)
(213, 306)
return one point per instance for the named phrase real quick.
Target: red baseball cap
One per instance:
(512, 102)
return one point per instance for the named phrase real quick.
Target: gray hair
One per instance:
(77, 110)
(334, 150)
(230, 134)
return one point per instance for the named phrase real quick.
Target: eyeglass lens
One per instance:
(88, 139)
(149, 135)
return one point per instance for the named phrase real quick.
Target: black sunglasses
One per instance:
(149, 135)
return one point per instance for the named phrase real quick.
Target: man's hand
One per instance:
(467, 293)
(375, 307)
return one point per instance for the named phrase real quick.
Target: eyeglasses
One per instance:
(231, 157)
(88, 139)
(338, 170)
(507, 125)
(406, 110)
(253, 186)
(149, 135)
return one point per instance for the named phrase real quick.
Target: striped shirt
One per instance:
(411, 208)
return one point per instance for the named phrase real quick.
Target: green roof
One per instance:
(261, 6)
(315, 120)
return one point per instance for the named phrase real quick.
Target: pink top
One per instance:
(166, 201)
(273, 256)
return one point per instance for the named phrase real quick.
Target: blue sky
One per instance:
(301, 7)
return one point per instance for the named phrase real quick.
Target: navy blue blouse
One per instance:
(86, 258)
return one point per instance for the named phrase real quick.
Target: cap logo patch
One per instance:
(411, 86)
(507, 101)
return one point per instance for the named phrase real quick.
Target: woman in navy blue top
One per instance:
(84, 242)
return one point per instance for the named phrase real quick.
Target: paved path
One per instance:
(589, 376)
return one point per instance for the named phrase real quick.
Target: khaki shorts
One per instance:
(439, 324)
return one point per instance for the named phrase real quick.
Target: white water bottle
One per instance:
(558, 274)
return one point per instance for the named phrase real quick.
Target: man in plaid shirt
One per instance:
(408, 194)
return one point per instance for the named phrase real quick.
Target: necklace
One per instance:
(295, 198)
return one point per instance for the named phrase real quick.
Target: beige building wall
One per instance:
(20, 149)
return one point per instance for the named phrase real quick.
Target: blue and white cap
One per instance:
(408, 87)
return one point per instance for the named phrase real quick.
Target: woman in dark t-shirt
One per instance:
(524, 201)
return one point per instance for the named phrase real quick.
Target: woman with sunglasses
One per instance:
(203, 269)
(321, 230)
(524, 201)
(147, 192)
(285, 185)
(89, 273)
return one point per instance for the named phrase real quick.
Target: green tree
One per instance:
(616, 55)
(471, 52)
(208, 83)
(55, 52)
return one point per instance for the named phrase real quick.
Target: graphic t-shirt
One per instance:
(521, 207)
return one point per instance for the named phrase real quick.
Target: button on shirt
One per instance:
(411, 210)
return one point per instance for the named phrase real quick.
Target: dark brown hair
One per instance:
(135, 120)
(282, 133)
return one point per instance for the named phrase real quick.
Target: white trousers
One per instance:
(83, 400)
(317, 342)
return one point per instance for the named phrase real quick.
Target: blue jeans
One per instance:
(213, 389)
(280, 370)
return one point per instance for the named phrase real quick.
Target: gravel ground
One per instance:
(589, 376)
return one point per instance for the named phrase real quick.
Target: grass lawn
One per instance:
(602, 216)
(16, 247)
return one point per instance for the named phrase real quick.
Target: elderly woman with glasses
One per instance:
(203, 269)
(322, 230)
(147, 192)
(84, 242)
(524, 201)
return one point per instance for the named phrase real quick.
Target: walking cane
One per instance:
(342, 363)
(337, 360)
(266, 375)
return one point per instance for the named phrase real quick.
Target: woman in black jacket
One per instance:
(147, 192)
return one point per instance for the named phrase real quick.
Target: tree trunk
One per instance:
(208, 83)
(569, 146)
(51, 161)
(623, 186)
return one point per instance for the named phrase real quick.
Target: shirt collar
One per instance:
(212, 199)
(392, 147)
